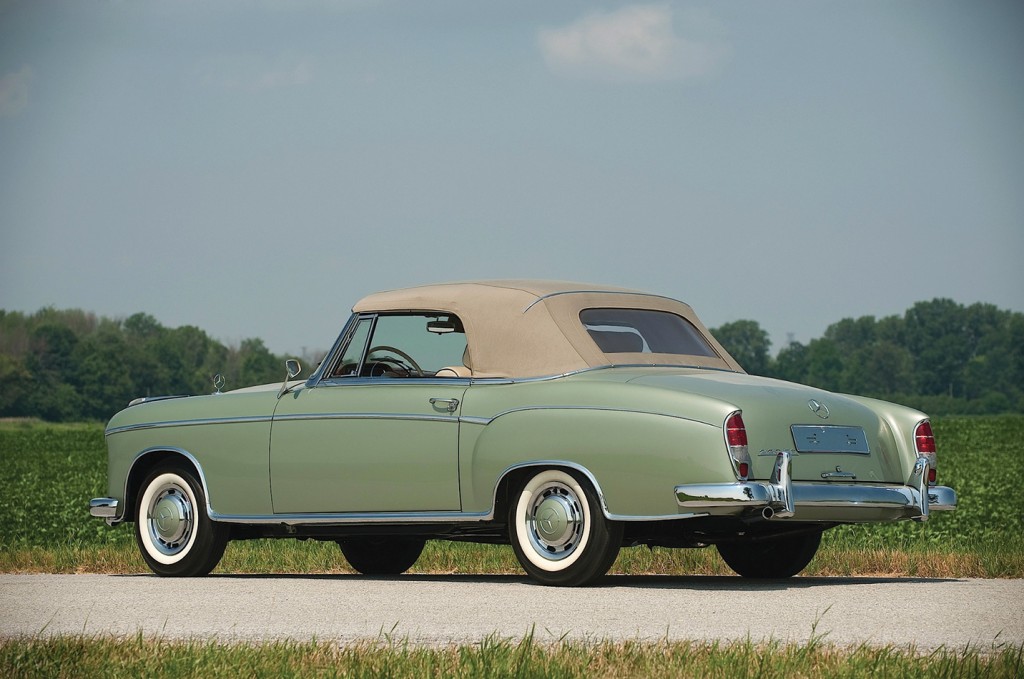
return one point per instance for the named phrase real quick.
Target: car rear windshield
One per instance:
(644, 331)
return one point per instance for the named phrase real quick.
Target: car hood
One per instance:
(772, 408)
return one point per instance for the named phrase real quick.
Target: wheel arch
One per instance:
(148, 460)
(516, 474)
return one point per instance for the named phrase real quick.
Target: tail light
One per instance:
(924, 442)
(736, 440)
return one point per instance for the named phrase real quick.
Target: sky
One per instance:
(254, 167)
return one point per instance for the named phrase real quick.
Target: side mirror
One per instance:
(293, 368)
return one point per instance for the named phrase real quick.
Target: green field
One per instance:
(51, 471)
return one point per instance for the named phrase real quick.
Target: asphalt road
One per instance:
(446, 609)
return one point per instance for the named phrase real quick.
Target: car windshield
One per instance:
(644, 331)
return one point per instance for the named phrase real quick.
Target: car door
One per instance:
(378, 432)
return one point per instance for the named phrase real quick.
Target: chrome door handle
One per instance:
(450, 403)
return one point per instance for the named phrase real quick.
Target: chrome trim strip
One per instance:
(394, 381)
(150, 399)
(189, 423)
(598, 292)
(354, 517)
(366, 416)
(329, 357)
(282, 418)
(486, 420)
(355, 381)
(483, 421)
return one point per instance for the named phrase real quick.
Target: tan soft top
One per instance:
(532, 328)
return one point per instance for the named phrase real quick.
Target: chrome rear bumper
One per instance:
(781, 498)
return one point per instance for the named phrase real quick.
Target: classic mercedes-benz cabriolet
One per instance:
(564, 419)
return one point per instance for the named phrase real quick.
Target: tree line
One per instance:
(940, 356)
(69, 365)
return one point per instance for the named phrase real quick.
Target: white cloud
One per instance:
(637, 42)
(14, 92)
(255, 74)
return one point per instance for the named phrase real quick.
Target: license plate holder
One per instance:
(816, 438)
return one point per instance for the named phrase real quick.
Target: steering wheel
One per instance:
(412, 365)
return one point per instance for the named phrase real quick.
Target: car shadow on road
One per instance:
(736, 583)
(677, 582)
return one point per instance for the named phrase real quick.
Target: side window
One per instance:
(404, 345)
(349, 363)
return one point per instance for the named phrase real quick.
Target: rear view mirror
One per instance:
(440, 327)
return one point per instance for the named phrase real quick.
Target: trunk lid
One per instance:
(835, 438)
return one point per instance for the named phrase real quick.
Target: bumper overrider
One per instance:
(104, 508)
(781, 498)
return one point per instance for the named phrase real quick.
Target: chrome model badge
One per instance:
(818, 408)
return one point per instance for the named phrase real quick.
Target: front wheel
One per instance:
(381, 555)
(174, 534)
(779, 558)
(558, 531)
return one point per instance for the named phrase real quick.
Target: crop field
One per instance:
(51, 471)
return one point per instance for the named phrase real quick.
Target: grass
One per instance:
(51, 471)
(492, 657)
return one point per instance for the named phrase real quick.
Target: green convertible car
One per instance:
(564, 419)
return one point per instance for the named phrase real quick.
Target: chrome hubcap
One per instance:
(555, 521)
(170, 520)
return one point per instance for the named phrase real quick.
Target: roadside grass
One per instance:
(493, 657)
(49, 472)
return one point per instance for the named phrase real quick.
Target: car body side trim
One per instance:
(281, 418)
(365, 416)
(488, 420)
(188, 423)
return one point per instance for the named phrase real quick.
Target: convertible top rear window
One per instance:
(644, 331)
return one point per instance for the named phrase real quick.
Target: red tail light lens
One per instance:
(924, 438)
(736, 431)
(736, 439)
(924, 441)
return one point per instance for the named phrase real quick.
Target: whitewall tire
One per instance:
(558, 530)
(172, 529)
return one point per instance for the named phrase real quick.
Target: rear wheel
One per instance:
(558, 531)
(779, 558)
(381, 555)
(173, 532)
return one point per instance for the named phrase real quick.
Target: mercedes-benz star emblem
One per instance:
(818, 408)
